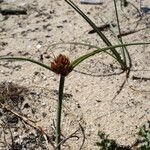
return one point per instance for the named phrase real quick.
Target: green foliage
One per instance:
(102, 36)
(146, 135)
(109, 144)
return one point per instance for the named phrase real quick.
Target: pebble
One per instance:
(44, 78)
(38, 46)
(2, 71)
(54, 78)
(9, 81)
(43, 104)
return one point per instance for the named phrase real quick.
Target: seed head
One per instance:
(61, 65)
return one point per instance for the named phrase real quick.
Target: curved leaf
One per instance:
(103, 37)
(83, 57)
(25, 59)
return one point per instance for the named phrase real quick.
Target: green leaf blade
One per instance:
(25, 59)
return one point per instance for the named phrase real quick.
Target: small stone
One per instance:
(38, 46)
(9, 81)
(44, 78)
(2, 71)
(54, 79)
(43, 104)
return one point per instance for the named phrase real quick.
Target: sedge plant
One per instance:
(63, 66)
(112, 51)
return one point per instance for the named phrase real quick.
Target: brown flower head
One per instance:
(61, 65)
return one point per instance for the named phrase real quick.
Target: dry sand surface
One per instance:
(91, 96)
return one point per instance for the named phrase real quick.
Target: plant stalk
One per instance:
(59, 108)
(25, 59)
(103, 37)
(120, 38)
(85, 56)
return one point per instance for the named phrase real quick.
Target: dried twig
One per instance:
(95, 2)
(70, 136)
(82, 130)
(137, 90)
(102, 27)
(126, 33)
(13, 11)
(29, 122)
(140, 78)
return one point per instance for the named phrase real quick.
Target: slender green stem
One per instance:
(25, 59)
(83, 57)
(84, 44)
(103, 37)
(120, 38)
(116, 11)
(59, 108)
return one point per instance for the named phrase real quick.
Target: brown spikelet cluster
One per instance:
(61, 65)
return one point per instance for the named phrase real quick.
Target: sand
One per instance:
(91, 89)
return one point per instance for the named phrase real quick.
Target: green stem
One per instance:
(59, 108)
(83, 57)
(120, 38)
(25, 59)
(103, 37)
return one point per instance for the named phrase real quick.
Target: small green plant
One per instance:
(113, 52)
(63, 66)
(109, 144)
(145, 134)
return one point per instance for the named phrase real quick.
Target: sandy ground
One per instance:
(91, 89)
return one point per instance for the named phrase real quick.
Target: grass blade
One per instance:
(120, 38)
(83, 44)
(25, 59)
(103, 37)
(83, 57)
